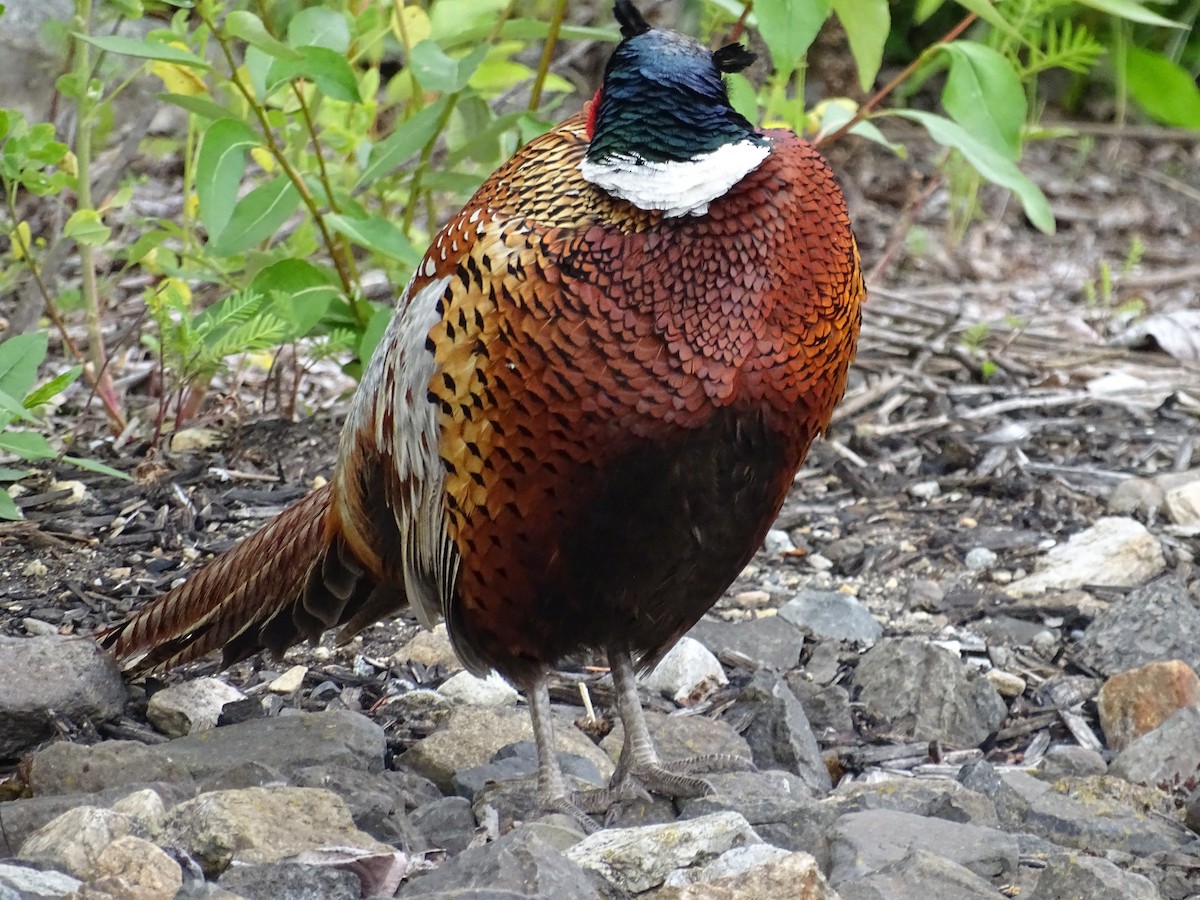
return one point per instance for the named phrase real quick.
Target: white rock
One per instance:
(148, 871)
(687, 674)
(1006, 683)
(1115, 551)
(980, 559)
(144, 808)
(1183, 504)
(778, 541)
(467, 688)
(429, 648)
(190, 707)
(732, 862)
(924, 490)
(35, 569)
(637, 859)
(73, 841)
(34, 883)
(289, 682)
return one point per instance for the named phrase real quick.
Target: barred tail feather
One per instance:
(229, 604)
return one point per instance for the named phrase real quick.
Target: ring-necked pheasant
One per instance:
(586, 412)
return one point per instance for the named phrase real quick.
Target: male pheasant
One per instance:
(586, 412)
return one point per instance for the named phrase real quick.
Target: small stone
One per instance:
(1167, 755)
(429, 648)
(73, 842)
(289, 682)
(1069, 876)
(447, 823)
(638, 859)
(779, 734)
(1045, 644)
(263, 825)
(928, 693)
(687, 674)
(924, 490)
(832, 615)
(867, 842)
(1005, 683)
(1070, 760)
(827, 706)
(38, 628)
(1138, 701)
(1135, 495)
(71, 676)
(191, 706)
(491, 691)
(1159, 621)
(141, 865)
(191, 439)
(778, 542)
(980, 559)
(752, 599)
(795, 876)
(768, 640)
(1115, 551)
(1183, 504)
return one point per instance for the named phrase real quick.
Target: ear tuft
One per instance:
(733, 58)
(632, 23)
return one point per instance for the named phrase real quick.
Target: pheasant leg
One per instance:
(551, 785)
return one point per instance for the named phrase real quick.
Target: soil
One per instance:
(987, 366)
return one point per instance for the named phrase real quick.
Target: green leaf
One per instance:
(742, 95)
(408, 138)
(983, 94)
(990, 164)
(327, 69)
(198, 105)
(320, 27)
(7, 474)
(789, 26)
(1165, 90)
(301, 292)
(52, 388)
(438, 72)
(246, 25)
(926, 8)
(374, 331)
(986, 10)
(92, 465)
(378, 235)
(28, 445)
(257, 216)
(145, 48)
(20, 357)
(8, 509)
(86, 227)
(11, 408)
(867, 23)
(220, 164)
(1131, 10)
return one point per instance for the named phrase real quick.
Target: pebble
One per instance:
(69, 675)
(832, 615)
(1115, 551)
(778, 542)
(289, 682)
(980, 559)
(924, 490)
(39, 628)
(35, 568)
(491, 691)
(1183, 504)
(190, 706)
(752, 599)
(928, 693)
(1065, 760)
(1006, 684)
(1158, 621)
(687, 674)
(1135, 702)
(429, 648)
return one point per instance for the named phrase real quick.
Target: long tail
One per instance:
(250, 597)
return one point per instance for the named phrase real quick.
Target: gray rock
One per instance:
(1007, 631)
(827, 706)
(520, 864)
(291, 881)
(491, 691)
(335, 737)
(65, 768)
(1155, 622)
(1098, 814)
(1070, 876)
(417, 789)
(936, 798)
(73, 841)
(472, 735)
(1114, 551)
(1170, 754)
(262, 825)
(760, 797)
(446, 823)
(638, 859)
(24, 883)
(982, 778)
(516, 799)
(520, 765)
(688, 673)
(247, 773)
(920, 875)
(868, 842)
(928, 693)
(779, 734)
(678, 737)
(190, 706)
(376, 804)
(71, 676)
(1070, 759)
(768, 640)
(832, 615)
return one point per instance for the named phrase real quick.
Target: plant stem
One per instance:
(535, 95)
